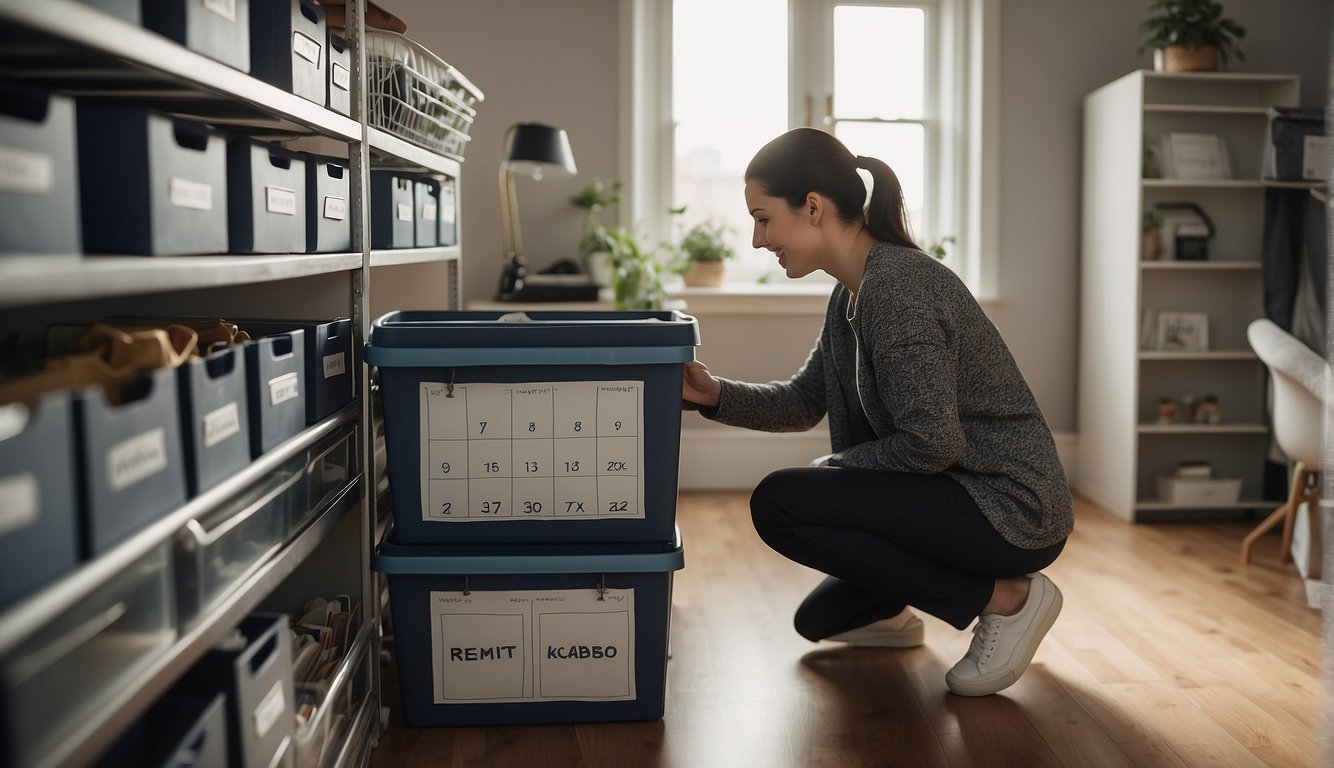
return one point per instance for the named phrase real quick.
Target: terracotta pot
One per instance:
(1175, 58)
(704, 274)
(1150, 246)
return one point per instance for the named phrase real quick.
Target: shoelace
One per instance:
(985, 632)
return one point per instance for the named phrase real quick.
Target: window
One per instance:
(901, 81)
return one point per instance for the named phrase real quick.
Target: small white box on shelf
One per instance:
(1199, 491)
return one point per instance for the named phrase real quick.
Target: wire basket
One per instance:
(415, 95)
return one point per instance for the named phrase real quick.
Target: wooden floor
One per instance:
(1168, 653)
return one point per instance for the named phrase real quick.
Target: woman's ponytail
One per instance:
(886, 215)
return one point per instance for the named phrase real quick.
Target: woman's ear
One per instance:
(814, 207)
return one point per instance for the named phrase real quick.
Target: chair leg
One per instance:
(1285, 514)
(1305, 488)
(1275, 517)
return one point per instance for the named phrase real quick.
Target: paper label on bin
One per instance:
(184, 193)
(335, 208)
(280, 200)
(428, 210)
(340, 76)
(404, 212)
(137, 458)
(221, 424)
(283, 388)
(273, 706)
(334, 365)
(533, 645)
(565, 450)
(306, 47)
(447, 203)
(224, 8)
(20, 500)
(25, 173)
(1317, 157)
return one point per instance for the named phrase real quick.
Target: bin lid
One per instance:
(428, 338)
(474, 559)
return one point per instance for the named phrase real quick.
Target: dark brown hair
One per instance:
(806, 160)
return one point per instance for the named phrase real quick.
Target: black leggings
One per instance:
(887, 540)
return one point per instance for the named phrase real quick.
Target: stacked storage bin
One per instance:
(532, 461)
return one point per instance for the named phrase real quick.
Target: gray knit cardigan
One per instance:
(916, 378)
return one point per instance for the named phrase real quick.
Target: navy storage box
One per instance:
(562, 428)
(392, 210)
(218, 29)
(266, 199)
(39, 533)
(426, 208)
(214, 417)
(492, 635)
(287, 46)
(39, 189)
(125, 9)
(328, 360)
(150, 184)
(1296, 147)
(178, 732)
(339, 86)
(131, 457)
(449, 212)
(328, 228)
(275, 389)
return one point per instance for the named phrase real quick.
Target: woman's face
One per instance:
(788, 233)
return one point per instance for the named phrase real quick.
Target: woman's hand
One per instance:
(699, 386)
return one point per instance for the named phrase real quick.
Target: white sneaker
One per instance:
(904, 630)
(1004, 645)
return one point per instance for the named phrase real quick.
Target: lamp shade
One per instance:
(536, 148)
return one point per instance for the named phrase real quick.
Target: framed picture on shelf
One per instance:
(1182, 332)
(1195, 156)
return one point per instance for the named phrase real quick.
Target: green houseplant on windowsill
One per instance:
(594, 254)
(704, 249)
(635, 274)
(1191, 36)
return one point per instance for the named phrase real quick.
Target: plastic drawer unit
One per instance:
(426, 209)
(494, 635)
(331, 468)
(39, 191)
(545, 426)
(80, 661)
(178, 732)
(339, 85)
(275, 389)
(214, 417)
(150, 184)
(39, 532)
(287, 41)
(132, 457)
(218, 29)
(254, 668)
(266, 201)
(392, 206)
(327, 350)
(328, 229)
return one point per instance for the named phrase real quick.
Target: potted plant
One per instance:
(704, 249)
(1190, 36)
(1150, 243)
(594, 251)
(635, 274)
(939, 248)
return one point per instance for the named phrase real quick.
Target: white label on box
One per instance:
(447, 203)
(334, 365)
(137, 458)
(565, 450)
(221, 424)
(335, 208)
(404, 212)
(1316, 157)
(340, 76)
(284, 388)
(306, 47)
(184, 193)
(224, 8)
(533, 645)
(25, 173)
(428, 210)
(280, 200)
(270, 709)
(19, 502)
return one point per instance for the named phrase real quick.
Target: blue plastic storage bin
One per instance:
(39, 186)
(328, 227)
(275, 389)
(587, 449)
(496, 635)
(215, 420)
(218, 30)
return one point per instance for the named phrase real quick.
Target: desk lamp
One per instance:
(532, 149)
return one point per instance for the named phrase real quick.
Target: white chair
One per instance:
(1299, 379)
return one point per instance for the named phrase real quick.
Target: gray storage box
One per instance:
(39, 534)
(287, 46)
(328, 360)
(214, 420)
(339, 85)
(150, 184)
(393, 221)
(449, 211)
(218, 29)
(1296, 147)
(180, 731)
(426, 208)
(39, 190)
(256, 674)
(132, 458)
(266, 200)
(328, 227)
(275, 389)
